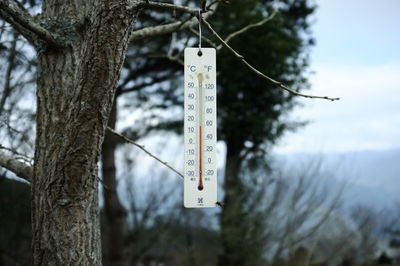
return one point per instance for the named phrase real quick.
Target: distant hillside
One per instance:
(372, 177)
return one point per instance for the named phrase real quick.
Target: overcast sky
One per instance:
(356, 58)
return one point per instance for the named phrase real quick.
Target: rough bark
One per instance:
(75, 91)
(233, 252)
(115, 212)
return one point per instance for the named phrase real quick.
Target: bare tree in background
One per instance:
(368, 225)
(17, 68)
(287, 210)
(151, 205)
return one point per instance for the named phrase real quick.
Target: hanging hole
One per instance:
(199, 53)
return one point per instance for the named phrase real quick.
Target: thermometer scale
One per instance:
(200, 128)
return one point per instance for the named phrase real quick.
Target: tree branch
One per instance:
(25, 24)
(153, 31)
(259, 73)
(142, 85)
(18, 155)
(249, 26)
(22, 170)
(127, 140)
(10, 67)
(211, 43)
(172, 7)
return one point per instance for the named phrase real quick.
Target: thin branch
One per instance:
(169, 57)
(126, 139)
(22, 170)
(334, 205)
(10, 67)
(171, 45)
(259, 73)
(158, 30)
(248, 27)
(154, 31)
(140, 86)
(185, 9)
(25, 24)
(211, 43)
(172, 7)
(18, 154)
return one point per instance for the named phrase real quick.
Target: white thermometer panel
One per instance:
(200, 128)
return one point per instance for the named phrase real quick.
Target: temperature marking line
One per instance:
(200, 187)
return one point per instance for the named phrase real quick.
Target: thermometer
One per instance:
(200, 128)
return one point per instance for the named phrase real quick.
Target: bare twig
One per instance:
(249, 26)
(259, 73)
(20, 155)
(11, 63)
(172, 7)
(158, 30)
(126, 139)
(169, 57)
(185, 9)
(204, 38)
(25, 24)
(171, 45)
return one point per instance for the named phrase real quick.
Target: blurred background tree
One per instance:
(252, 114)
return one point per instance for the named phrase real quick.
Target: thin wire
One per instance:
(199, 30)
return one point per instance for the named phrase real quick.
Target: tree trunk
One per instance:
(76, 87)
(115, 213)
(241, 230)
(231, 220)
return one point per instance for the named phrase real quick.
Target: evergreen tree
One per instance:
(251, 113)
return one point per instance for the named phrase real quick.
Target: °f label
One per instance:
(200, 128)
